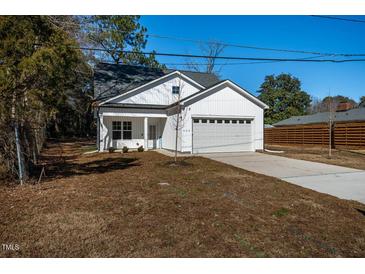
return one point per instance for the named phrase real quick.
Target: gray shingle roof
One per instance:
(357, 114)
(111, 79)
(205, 79)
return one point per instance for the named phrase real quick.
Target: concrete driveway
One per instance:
(343, 182)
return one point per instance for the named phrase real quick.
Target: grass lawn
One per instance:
(346, 158)
(139, 205)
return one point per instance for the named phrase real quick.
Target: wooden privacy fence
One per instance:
(297, 135)
(349, 134)
(342, 134)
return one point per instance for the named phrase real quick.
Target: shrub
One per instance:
(125, 149)
(140, 149)
(111, 149)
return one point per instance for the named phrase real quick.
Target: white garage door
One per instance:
(221, 135)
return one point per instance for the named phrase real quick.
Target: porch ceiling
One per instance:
(130, 114)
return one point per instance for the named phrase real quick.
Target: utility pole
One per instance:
(330, 125)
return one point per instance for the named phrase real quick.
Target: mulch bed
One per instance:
(138, 205)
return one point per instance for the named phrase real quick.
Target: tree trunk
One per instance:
(177, 131)
(21, 170)
(20, 159)
(178, 120)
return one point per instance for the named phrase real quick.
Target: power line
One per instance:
(215, 57)
(225, 57)
(239, 63)
(253, 47)
(339, 18)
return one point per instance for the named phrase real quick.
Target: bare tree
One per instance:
(329, 103)
(211, 49)
(178, 113)
(315, 105)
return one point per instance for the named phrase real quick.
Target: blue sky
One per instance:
(288, 32)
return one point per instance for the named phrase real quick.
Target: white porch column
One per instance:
(97, 133)
(101, 133)
(145, 133)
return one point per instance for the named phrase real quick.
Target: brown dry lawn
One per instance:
(340, 157)
(138, 205)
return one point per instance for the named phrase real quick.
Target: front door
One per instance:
(152, 142)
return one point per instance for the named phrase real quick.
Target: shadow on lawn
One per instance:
(66, 169)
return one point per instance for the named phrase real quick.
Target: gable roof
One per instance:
(232, 85)
(356, 114)
(111, 80)
(203, 78)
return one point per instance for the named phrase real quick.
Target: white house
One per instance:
(138, 106)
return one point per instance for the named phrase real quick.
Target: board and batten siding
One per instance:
(169, 134)
(159, 94)
(224, 103)
(109, 114)
(137, 131)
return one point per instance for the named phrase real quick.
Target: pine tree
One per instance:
(40, 70)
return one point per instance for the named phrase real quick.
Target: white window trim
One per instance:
(127, 130)
(117, 130)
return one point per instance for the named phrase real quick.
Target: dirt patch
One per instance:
(346, 158)
(172, 164)
(130, 205)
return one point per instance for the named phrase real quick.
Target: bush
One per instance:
(111, 149)
(140, 149)
(125, 149)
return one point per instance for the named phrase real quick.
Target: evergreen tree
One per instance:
(40, 71)
(284, 96)
(46, 80)
(116, 34)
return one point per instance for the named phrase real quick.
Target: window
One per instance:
(211, 121)
(204, 121)
(234, 121)
(248, 121)
(127, 130)
(219, 121)
(226, 121)
(241, 121)
(117, 130)
(196, 121)
(175, 89)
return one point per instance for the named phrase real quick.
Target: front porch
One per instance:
(131, 130)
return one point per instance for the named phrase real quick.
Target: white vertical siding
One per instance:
(137, 132)
(224, 103)
(97, 133)
(169, 134)
(160, 94)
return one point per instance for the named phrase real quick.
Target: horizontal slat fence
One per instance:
(350, 135)
(297, 135)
